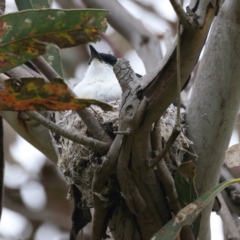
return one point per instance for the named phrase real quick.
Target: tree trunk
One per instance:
(214, 102)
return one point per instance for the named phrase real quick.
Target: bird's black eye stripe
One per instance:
(108, 58)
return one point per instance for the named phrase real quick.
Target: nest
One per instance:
(78, 162)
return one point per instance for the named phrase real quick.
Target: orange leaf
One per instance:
(34, 94)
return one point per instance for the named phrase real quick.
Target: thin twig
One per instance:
(127, 132)
(35, 74)
(167, 180)
(100, 147)
(169, 186)
(2, 6)
(18, 73)
(188, 21)
(178, 123)
(176, 131)
(45, 68)
(88, 118)
(230, 229)
(1, 166)
(163, 172)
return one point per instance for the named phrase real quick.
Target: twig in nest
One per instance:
(127, 132)
(176, 131)
(101, 197)
(86, 141)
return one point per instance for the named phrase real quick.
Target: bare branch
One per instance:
(18, 73)
(185, 19)
(127, 132)
(133, 30)
(167, 179)
(1, 166)
(100, 176)
(176, 131)
(32, 72)
(234, 189)
(2, 6)
(100, 147)
(160, 87)
(130, 192)
(230, 229)
(178, 123)
(45, 68)
(145, 179)
(163, 172)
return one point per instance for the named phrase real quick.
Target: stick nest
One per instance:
(78, 163)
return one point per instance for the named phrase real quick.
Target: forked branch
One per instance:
(99, 146)
(187, 20)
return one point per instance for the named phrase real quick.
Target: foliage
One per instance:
(188, 214)
(23, 34)
(35, 94)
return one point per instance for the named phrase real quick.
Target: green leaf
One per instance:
(65, 28)
(53, 55)
(185, 186)
(188, 214)
(184, 182)
(21, 32)
(31, 4)
(53, 58)
(22, 5)
(17, 53)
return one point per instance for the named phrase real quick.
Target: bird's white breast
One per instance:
(99, 83)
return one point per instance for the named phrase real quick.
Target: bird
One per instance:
(99, 82)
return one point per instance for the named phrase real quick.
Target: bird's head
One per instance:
(102, 57)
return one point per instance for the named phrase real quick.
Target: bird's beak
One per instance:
(94, 53)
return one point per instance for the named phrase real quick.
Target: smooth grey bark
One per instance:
(214, 102)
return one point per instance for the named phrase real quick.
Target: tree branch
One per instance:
(163, 172)
(230, 229)
(100, 147)
(2, 6)
(1, 166)
(133, 30)
(160, 87)
(167, 180)
(234, 189)
(185, 19)
(45, 68)
(176, 131)
(146, 180)
(100, 176)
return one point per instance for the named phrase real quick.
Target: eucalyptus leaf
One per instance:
(188, 214)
